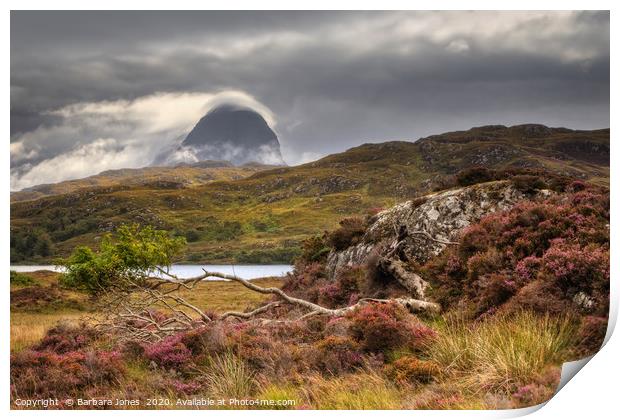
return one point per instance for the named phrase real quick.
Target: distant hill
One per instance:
(264, 217)
(181, 176)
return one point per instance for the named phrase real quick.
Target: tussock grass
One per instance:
(227, 376)
(503, 350)
(359, 391)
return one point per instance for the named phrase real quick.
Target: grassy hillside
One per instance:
(264, 217)
(162, 176)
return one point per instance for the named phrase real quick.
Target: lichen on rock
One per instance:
(441, 215)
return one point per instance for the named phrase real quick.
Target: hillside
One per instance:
(264, 217)
(181, 176)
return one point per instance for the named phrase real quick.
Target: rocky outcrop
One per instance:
(423, 227)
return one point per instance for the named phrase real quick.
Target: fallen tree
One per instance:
(152, 309)
(139, 297)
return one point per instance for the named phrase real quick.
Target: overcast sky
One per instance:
(92, 91)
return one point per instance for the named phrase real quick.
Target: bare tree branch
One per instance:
(246, 315)
(410, 303)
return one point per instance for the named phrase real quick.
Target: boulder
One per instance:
(428, 223)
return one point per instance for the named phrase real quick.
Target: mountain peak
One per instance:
(233, 133)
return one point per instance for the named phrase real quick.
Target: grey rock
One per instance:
(442, 215)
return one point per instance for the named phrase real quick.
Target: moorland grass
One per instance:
(504, 350)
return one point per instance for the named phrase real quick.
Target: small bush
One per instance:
(337, 355)
(314, 249)
(44, 374)
(255, 345)
(496, 289)
(532, 394)
(65, 338)
(410, 369)
(344, 290)
(575, 268)
(591, 335)
(383, 327)
(306, 281)
(475, 175)
(130, 254)
(20, 279)
(192, 235)
(170, 353)
(349, 233)
(184, 388)
(528, 183)
(540, 390)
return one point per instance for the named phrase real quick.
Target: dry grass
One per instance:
(27, 328)
(228, 376)
(220, 296)
(359, 391)
(503, 351)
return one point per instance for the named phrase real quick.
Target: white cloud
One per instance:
(96, 136)
(458, 46)
(307, 157)
(95, 157)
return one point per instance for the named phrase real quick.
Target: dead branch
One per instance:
(412, 282)
(410, 303)
(246, 315)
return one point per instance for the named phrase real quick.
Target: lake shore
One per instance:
(246, 271)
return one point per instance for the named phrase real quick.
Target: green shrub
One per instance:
(192, 235)
(128, 256)
(20, 279)
(222, 231)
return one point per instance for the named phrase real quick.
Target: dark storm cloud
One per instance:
(331, 79)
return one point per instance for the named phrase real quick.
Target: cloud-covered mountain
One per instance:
(228, 132)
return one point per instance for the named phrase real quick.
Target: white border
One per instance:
(592, 394)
